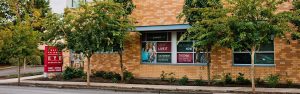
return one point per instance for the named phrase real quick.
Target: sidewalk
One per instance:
(154, 87)
(14, 80)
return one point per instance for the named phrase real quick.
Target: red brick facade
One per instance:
(164, 12)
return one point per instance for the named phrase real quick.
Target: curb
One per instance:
(135, 89)
(113, 88)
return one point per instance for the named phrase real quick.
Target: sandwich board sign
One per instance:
(52, 59)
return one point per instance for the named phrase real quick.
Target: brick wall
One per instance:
(156, 12)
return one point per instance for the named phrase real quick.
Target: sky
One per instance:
(58, 5)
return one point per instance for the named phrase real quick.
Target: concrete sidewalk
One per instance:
(14, 80)
(171, 87)
(26, 80)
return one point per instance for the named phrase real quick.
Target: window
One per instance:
(264, 56)
(187, 54)
(156, 47)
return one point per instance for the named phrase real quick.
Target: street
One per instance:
(14, 70)
(38, 90)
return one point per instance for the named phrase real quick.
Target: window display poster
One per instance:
(148, 52)
(164, 58)
(185, 57)
(200, 58)
(185, 47)
(164, 47)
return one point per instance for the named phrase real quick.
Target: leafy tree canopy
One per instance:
(208, 20)
(254, 22)
(295, 19)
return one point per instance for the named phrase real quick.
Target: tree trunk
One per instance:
(24, 62)
(252, 68)
(19, 72)
(88, 72)
(208, 67)
(121, 65)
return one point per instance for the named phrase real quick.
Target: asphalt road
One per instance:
(14, 70)
(38, 90)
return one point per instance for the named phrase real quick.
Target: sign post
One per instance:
(52, 60)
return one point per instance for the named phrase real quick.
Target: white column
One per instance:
(174, 47)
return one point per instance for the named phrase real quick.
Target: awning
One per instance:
(163, 27)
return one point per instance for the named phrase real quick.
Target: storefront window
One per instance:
(264, 56)
(187, 54)
(156, 47)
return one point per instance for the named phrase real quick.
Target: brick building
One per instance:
(153, 48)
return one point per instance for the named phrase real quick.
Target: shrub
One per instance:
(272, 80)
(99, 73)
(79, 73)
(259, 81)
(228, 79)
(163, 76)
(242, 80)
(199, 82)
(70, 73)
(289, 83)
(167, 76)
(184, 80)
(108, 75)
(114, 80)
(116, 76)
(171, 77)
(128, 75)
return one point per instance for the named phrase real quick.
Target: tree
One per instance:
(295, 19)
(90, 28)
(13, 10)
(209, 26)
(121, 35)
(254, 23)
(20, 39)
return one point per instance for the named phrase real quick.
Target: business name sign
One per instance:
(52, 59)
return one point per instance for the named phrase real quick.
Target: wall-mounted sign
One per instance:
(163, 46)
(52, 59)
(185, 57)
(163, 57)
(185, 47)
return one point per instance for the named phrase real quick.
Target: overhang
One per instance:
(163, 27)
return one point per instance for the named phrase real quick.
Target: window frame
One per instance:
(169, 39)
(256, 52)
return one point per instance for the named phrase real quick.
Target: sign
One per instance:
(185, 47)
(185, 58)
(163, 57)
(163, 46)
(52, 59)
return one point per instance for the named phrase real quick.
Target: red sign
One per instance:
(52, 59)
(163, 46)
(185, 58)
